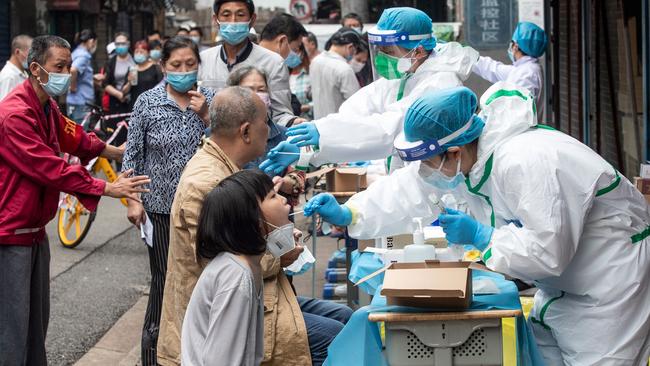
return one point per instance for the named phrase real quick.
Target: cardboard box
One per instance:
(365, 243)
(397, 241)
(643, 185)
(435, 236)
(432, 235)
(346, 179)
(390, 242)
(430, 284)
(644, 172)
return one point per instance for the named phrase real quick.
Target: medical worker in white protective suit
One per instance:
(527, 45)
(545, 207)
(406, 63)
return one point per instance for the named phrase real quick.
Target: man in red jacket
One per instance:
(33, 134)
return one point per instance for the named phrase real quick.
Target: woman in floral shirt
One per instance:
(164, 132)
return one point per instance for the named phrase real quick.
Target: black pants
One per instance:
(24, 303)
(158, 266)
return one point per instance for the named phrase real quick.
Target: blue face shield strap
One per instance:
(390, 38)
(420, 150)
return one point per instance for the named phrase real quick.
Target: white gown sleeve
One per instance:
(367, 123)
(491, 70)
(529, 76)
(389, 205)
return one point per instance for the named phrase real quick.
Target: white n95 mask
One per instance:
(356, 65)
(280, 241)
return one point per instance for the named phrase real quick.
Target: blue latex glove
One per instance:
(460, 228)
(305, 134)
(276, 162)
(325, 205)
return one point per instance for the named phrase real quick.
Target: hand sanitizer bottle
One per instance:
(418, 251)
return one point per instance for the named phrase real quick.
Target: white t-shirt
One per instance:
(10, 77)
(332, 81)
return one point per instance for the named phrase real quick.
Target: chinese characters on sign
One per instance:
(489, 23)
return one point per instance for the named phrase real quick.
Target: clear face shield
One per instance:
(425, 149)
(391, 52)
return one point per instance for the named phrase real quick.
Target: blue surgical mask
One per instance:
(182, 81)
(155, 55)
(57, 84)
(196, 39)
(25, 64)
(349, 57)
(234, 33)
(293, 60)
(441, 181)
(122, 50)
(511, 54)
(139, 58)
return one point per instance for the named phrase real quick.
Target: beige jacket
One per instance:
(285, 333)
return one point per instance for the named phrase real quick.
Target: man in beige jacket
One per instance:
(239, 134)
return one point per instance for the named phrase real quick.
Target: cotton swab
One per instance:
(296, 212)
(286, 153)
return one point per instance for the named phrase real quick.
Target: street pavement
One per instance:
(94, 284)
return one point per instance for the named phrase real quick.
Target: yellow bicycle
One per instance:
(74, 220)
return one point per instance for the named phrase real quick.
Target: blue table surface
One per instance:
(360, 334)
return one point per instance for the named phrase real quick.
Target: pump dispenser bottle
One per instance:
(419, 251)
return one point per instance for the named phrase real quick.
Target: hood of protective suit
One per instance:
(451, 57)
(508, 110)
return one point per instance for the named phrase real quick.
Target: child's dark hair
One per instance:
(231, 218)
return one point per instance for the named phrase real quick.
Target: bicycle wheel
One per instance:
(74, 221)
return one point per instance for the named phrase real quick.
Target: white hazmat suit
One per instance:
(563, 218)
(368, 122)
(525, 72)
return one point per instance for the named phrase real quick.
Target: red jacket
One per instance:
(32, 173)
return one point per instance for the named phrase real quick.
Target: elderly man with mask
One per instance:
(545, 208)
(235, 18)
(33, 135)
(406, 63)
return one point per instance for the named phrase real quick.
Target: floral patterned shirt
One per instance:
(162, 138)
